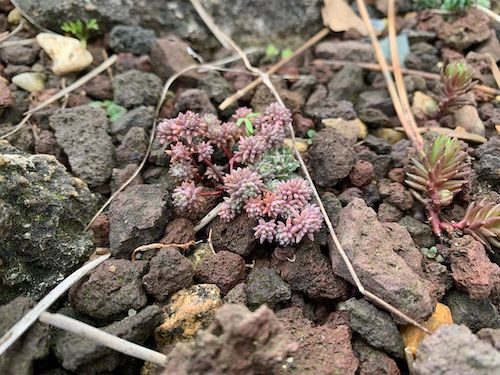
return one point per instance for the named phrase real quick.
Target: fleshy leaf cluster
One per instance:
(248, 167)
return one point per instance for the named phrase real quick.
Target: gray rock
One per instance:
(169, 272)
(349, 50)
(134, 88)
(224, 269)
(332, 206)
(346, 83)
(137, 216)
(420, 232)
(238, 237)
(131, 39)
(454, 349)
(43, 210)
(85, 356)
(423, 56)
(82, 134)
(375, 326)
(331, 158)
(237, 295)
(31, 346)
(399, 153)
(373, 254)
(141, 117)
(488, 166)
(264, 286)
(373, 361)
(311, 274)
(475, 314)
(133, 147)
(194, 100)
(379, 145)
(19, 54)
(110, 290)
(320, 106)
(216, 86)
(374, 108)
(269, 22)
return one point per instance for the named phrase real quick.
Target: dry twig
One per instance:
(160, 246)
(410, 131)
(79, 82)
(31, 317)
(18, 28)
(412, 72)
(107, 339)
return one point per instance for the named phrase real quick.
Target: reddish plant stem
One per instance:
(211, 166)
(210, 193)
(228, 153)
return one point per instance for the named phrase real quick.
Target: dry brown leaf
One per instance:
(339, 16)
(495, 71)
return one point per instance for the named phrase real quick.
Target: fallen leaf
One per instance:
(413, 336)
(339, 16)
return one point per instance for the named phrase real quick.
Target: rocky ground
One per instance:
(232, 305)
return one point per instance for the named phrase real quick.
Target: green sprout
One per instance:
(272, 51)
(80, 29)
(287, 52)
(310, 135)
(247, 120)
(113, 110)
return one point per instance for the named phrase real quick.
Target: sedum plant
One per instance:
(482, 221)
(253, 173)
(435, 178)
(456, 82)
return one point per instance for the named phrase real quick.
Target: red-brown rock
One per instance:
(362, 173)
(471, 268)
(224, 269)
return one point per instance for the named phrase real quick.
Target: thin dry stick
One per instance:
(210, 23)
(412, 72)
(489, 12)
(29, 18)
(13, 32)
(398, 76)
(23, 42)
(352, 272)
(411, 133)
(207, 218)
(240, 93)
(26, 321)
(166, 87)
(17, 128)
(66, 97)
(79, 82)
(84, 330)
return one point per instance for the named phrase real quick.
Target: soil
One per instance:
(215, 300)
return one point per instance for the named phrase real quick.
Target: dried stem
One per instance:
(79, 82)
(13, 32)
(31, 317)
(398, 76)
(17, 128)
(412, 72)
(352, 272)
(107, 339)
(410, 131)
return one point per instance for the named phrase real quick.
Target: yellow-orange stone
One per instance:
(413, 336)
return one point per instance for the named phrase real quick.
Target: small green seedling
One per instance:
(113, 110)
(247, 120)
(287, 52)
(80, 29)
(310, 135)
(272, 51)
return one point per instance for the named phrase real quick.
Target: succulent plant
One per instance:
(482, 221)
(440, 173)
(456, 82)
(256, 175)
